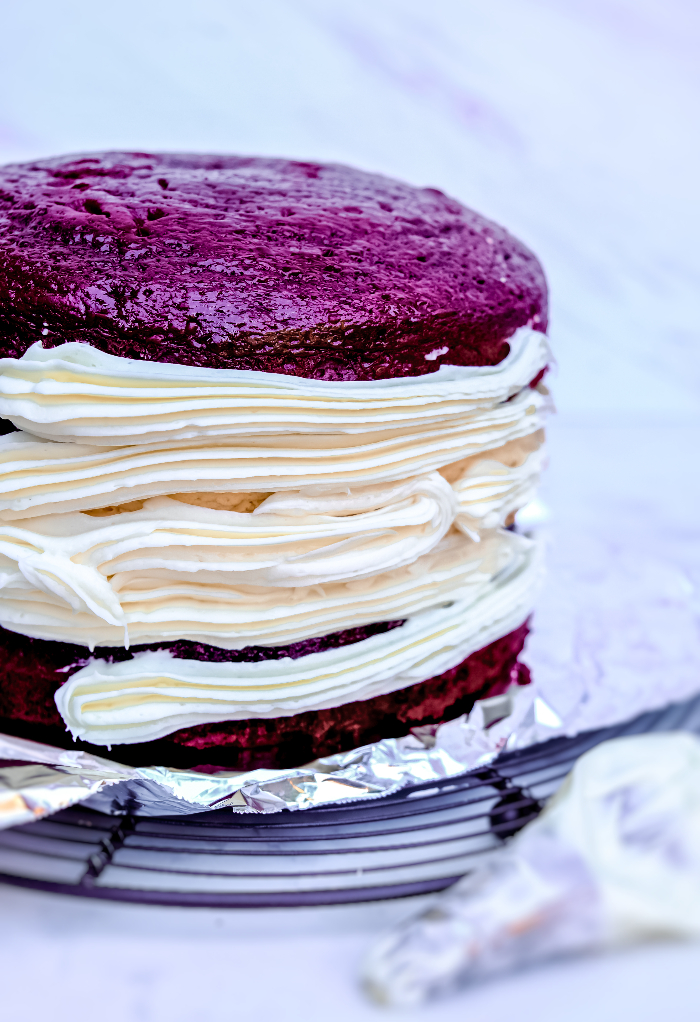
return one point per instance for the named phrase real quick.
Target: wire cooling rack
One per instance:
(416, 841)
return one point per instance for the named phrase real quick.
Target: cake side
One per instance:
(34, 669)
(313, 270)
(273, 422)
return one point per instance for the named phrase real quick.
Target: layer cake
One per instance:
(268, 424)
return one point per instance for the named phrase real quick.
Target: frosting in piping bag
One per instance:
(154, 694)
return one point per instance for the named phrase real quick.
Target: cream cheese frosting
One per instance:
(40, 476)
(49, 598)
(100, 563)
(145, 503)
(76, 393)
(155, 694)
(275, 544)
(491, 487)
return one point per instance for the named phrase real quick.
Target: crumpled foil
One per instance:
(614, 858)
(36, 780)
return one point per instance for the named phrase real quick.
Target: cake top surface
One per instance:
(254, 263)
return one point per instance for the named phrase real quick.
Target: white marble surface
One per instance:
(575, 125)
(129, 964)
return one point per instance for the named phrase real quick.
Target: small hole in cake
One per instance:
(242, 503)
(93, 206)
(115, 509)
(163, 182)
(155, 214)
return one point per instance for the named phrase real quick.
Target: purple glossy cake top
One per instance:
(243, 263)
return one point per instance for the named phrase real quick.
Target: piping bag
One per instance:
(613, 859)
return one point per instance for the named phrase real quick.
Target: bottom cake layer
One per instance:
(32, 669)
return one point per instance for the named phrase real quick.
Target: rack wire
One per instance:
(417, 841)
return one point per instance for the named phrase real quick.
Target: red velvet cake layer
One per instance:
(31, 672)
(312, 270)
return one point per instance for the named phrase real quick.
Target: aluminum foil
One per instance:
(36, 780)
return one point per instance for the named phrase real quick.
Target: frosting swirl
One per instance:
(38, 476)
(48, 597)
(146, 503)
(154, 694)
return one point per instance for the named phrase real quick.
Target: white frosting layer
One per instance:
(154, 694)
(38, 476)
(371, 502)
(49, 597)
(56, 566)
(490, 487)
(190, 430)
(76, 393)
(289, 540)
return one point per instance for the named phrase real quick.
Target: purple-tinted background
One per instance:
(575, 125)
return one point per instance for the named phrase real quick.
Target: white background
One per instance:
(573, 123)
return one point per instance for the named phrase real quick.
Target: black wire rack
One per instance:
(419, 840)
